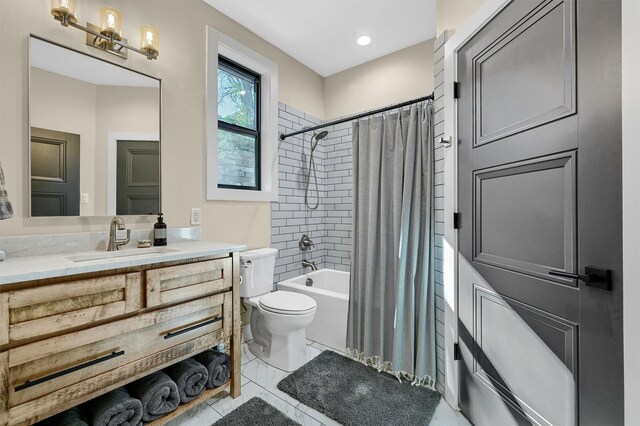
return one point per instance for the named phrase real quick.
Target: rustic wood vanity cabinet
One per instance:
(66, 340)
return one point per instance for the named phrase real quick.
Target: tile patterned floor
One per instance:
(261, 380)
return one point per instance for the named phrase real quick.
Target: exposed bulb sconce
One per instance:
(111, 22)
(108, 36)
(150, 40)
(66, 9)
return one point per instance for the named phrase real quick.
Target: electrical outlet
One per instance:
(84, 198)
(195, 216)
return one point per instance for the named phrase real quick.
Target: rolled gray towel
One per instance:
(116, 408)
(218, 365)
(71, 417)
(191, 378)
(157, 393)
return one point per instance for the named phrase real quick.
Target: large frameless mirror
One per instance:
(94, 135)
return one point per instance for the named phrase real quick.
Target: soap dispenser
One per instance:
(160, 232)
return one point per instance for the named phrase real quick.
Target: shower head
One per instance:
(321, 135)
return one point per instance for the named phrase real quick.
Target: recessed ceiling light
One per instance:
(364, 40)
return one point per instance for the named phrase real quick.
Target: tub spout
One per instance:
(309, 264)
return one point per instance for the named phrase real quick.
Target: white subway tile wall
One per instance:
(438, 109)
(329, 226)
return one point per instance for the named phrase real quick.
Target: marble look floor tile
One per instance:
(226, 405)
(318, 415)
(313, 352)
(200, 415)
(327, 348)
(268, 377)
(446, 416)
(246, 354)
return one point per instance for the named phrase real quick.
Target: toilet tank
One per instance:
(256, 269)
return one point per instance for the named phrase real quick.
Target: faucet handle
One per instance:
(305, 243)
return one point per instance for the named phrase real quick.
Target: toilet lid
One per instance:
(287, 302)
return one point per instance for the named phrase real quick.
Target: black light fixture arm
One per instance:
(283, 136)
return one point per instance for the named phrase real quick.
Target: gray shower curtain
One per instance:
(391, 308)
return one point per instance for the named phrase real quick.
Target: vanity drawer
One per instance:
(41, 368)
(43, 310)
(184, 282)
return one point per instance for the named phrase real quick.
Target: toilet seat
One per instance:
(287, 303)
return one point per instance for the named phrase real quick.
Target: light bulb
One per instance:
(111, 20)
(149, 39)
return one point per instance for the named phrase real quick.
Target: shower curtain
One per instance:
(391, 322)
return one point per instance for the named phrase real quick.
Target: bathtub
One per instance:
(330, 290)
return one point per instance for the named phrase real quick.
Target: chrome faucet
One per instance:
(309, 264)
(117, 224)
(305, 242)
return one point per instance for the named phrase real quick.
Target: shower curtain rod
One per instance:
(283, 136)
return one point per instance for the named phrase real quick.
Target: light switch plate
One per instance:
(195, 216)
(84, 198)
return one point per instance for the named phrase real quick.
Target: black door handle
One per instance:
(593, 277)
(581, 277)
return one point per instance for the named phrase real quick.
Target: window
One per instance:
(238, 126)
(241, 122)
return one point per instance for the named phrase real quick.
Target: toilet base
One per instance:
(286, 352)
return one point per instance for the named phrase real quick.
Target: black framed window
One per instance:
(238, 126)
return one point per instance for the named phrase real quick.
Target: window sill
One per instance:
(226, 194)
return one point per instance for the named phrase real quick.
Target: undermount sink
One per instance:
(117, 254)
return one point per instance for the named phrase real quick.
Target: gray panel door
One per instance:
(138, 177)
(55, 173)
(540, 191)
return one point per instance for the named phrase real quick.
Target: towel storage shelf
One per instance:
(64, 341)
(183, 408)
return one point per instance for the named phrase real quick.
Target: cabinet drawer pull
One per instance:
(193, 327)
(30, 383)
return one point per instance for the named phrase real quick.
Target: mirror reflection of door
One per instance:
(138, 177)
(55, 173)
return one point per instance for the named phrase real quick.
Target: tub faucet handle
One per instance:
(305, 243)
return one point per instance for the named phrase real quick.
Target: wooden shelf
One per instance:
(183, 408)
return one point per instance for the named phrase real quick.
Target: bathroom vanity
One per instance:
(73, 327)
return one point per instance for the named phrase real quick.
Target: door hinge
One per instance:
(456, 221)
(456, 90)
(456, 352)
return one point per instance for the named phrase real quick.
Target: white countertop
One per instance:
(29, 268)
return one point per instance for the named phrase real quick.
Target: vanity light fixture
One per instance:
(108, 36)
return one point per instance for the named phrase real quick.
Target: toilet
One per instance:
(278, 318)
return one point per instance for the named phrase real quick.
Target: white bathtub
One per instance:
(330, 290)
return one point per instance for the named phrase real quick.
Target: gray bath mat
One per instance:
(256, 412)
(356, 395)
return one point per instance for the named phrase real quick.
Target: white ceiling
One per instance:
(59, 60)
(322, 34)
